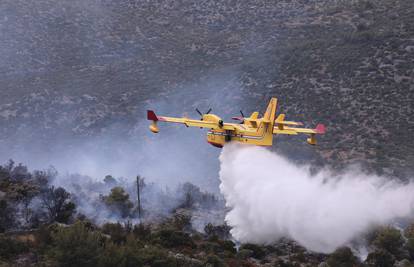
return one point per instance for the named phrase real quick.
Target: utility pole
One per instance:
(138, 195)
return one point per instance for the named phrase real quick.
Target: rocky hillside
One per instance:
(77, 68)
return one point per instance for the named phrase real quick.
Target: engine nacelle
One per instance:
(154, 127)
(312, 139)
(213, 118)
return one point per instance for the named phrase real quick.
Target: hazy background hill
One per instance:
(76, 78)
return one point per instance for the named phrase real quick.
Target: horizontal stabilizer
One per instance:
(320, 129)
(289, 123)
(280, 120)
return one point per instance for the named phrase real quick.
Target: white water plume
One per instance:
(270, 198)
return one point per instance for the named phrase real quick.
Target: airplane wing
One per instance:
(191, 122)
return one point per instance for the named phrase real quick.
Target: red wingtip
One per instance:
(151, 115)
(320, 129)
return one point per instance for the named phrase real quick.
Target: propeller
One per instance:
(241, 119)
(201, 114)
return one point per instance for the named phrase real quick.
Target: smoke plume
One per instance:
(270, 198)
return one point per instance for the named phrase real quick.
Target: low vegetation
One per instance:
(41, 226)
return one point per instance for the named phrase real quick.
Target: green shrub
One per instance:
(221, 248)
(182, 221)
(76, 245)
(6, 215)
(380, 258)
(44, 236)
(142, 231)
(155, 257)
(10, 248)
(410, 247)
(220, 231)
(132, 254)
(211, 247)
(214, 261)
(116, 231)
(171, 238)
(258, 251)
(244, 253)
(389, 239)
(283, 263)
(409, 231)
(179, 221)
(114, 255)
(197, 237)
(343, 257)
(404, 263)
(229, 246)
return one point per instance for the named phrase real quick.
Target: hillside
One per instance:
(78, 68)
(77, 77)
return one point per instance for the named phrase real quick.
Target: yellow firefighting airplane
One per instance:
(252, 130)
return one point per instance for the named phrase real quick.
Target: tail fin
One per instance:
(270, 113)
(281, 118)
(254, 115)
(265, 129)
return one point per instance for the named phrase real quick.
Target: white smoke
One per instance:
(270, 198)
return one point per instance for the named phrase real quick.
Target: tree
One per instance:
(9, 166)
(58, 205)
(118, 201)
(43, 178)
(24, 193)
(192, 195)
(110, 180)
(19, 172)
(188, 202)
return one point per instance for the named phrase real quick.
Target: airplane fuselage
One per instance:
(243, 134)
